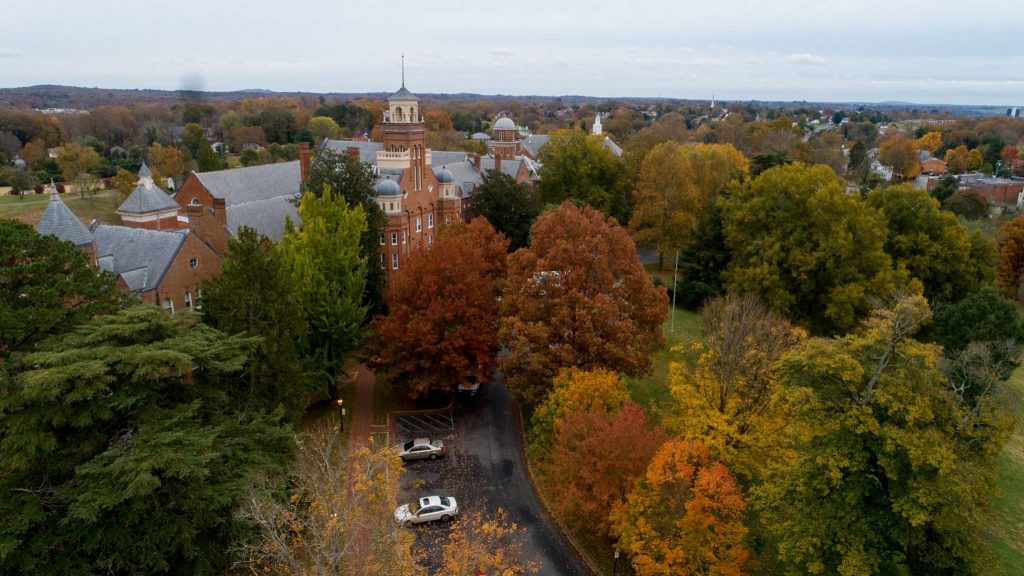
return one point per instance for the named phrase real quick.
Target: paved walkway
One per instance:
(362, 426)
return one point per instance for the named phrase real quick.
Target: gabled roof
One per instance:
(534, 142)
(146, 199)
(442, 157)
(509, 167)
(239, 185)
(367, 150)
(139, 256)
(58, 220)
(464, 175)
(265, 216)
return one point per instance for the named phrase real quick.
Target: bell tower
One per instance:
(404, 136)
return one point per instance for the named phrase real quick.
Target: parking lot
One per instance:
(483, 469)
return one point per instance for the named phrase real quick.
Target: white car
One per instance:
(427, 509)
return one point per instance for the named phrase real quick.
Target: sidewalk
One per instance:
(362, 426)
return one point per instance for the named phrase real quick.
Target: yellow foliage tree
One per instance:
(725, 400)
(338, 517)
(479, 545)
(930, 142)
(165, 162)
(676, 187)
(575, 391)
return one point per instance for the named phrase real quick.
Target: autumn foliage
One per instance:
(606, 452)
(443, 312)
(597, 391)
(1011, 259)
(479, 544)
(577, 297)
(685, 516)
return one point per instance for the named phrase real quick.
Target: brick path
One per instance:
(362, 411)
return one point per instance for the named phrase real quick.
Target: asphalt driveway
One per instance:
(484, 469)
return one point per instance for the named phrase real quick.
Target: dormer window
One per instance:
(194, 202)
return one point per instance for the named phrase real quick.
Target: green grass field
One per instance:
(652, 391)
(30, 208)
(1006, 528)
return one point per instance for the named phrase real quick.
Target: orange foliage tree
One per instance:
(443, 312)
(485, 545)
(578, 296)
(607, 452)
(685, 516)
(1011, 258)
(575, 390)
(901, 154)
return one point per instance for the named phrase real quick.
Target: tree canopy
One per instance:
(577, 297)
(442, 316)
(808, 249)
(122, 450)
(578, 167)
(510, 207)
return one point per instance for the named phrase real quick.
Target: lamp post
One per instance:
(615, 565)
(341, 413)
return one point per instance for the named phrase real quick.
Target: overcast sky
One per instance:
(965, 52)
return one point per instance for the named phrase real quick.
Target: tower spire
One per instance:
(403, 70)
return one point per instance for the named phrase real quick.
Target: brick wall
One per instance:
(181, 277)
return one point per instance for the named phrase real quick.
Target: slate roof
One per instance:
(239, 185)
(58, 220)
(367, 150)
(144, 171)
(509, 167)
(402, 94)
(465, 176)
(442, 157)
(612, 146)
(265, 216)
(139, 256)
(534, 142)
(147, 198)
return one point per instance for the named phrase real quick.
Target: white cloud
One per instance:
(806, 59)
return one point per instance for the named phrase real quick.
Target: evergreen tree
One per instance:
(122, 452)
(510, 207)
(252, 295)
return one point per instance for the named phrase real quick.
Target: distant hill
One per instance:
(53, 96)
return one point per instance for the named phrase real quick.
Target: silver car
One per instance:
(420, 449)
(427, 509)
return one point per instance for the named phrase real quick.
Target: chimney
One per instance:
(353, 151)
(476, 160)
(207, 224)
(303, 162)
(497, 162)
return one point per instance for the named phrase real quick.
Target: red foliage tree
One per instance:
(607, 453)
(578, 296)
(443, 312)
(685, 516)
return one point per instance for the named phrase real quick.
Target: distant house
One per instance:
(930, 164)
(1002, 192)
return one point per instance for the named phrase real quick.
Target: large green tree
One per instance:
(578, 167)
(895, 465)
(807, 248)
(253, 295)
(122, 450)
(932, 245)
(47, 287)
(323, 261)
(509, 206)
(352, 180)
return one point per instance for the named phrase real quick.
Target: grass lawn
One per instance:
(1006, 529)
(30, 208)
(652, 392)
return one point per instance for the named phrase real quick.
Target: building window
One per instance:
(383, 262)
(419, 224)
(430, 239)
(447, 219)
(430, 220)
(194, 202)
(403, 236)
(391, 206)
(199, 299)
(169, 305)
(188, 299)
(381, 239)
(394, 260)
(193, 262)
(394, 238)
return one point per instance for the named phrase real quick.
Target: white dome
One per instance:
(505, 123)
